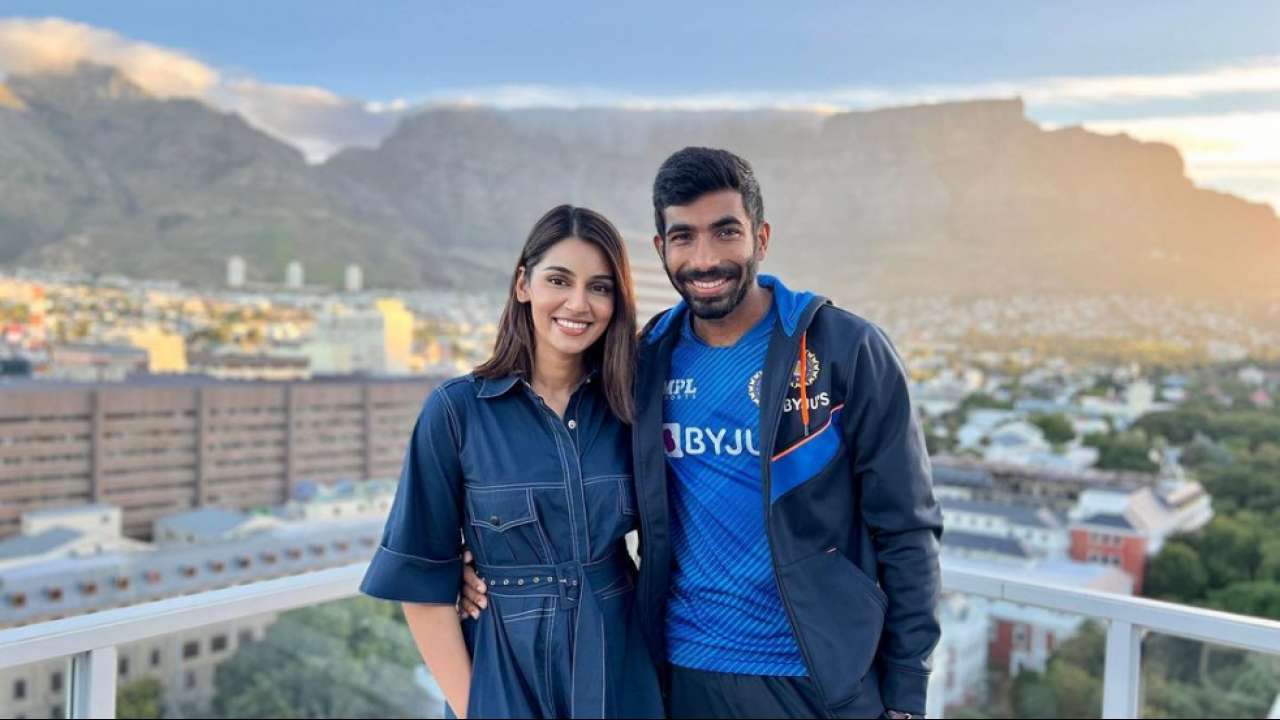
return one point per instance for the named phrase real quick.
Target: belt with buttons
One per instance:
(578, 586)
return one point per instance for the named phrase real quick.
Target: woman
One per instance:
(529, 458)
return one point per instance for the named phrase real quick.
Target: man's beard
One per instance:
(715, 308)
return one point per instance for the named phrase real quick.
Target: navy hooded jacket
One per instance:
(848, 501)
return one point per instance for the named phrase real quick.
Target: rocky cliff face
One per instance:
(955, 198)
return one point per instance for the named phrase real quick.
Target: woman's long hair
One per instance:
(614, 352)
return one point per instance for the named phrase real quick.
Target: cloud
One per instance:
(1261, 75)
(312, 119)
(1234, 152)
(56, 45)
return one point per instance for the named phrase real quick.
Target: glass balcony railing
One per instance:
(309, 646)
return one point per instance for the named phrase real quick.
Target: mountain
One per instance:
(95, 175)
(955, 198)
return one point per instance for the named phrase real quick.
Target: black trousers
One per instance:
(702, 694)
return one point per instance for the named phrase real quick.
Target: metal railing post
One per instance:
(93, 684)
(1122, 677)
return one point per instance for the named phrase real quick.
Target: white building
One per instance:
(235, 272)
(1042, 533)
(210, 525)
(959, 676)
(294, 277)
(377, 339)
(353, 279)
(58, 580)
(1173, 507)
(79, 532)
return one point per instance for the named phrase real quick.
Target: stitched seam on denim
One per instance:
(546, 662)
(503, 527)
(516, 486)
(548, 556)
(615, 593)
(386, 549)
(601, 478)
(568, 495)
(534, 612)
(612, 585)
(455, 427)
(623, 496)
(577, 461)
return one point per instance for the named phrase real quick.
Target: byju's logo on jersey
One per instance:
(680, 441)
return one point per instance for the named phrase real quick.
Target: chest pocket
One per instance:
(611, 506)
(504, 527)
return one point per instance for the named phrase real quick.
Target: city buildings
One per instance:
(76, 560)
(157, 445)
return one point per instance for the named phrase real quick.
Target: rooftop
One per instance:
(1015, 514)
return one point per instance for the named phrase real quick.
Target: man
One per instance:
(789, 535)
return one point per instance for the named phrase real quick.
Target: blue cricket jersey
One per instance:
(724, 613)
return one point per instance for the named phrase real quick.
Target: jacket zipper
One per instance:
(766, 460)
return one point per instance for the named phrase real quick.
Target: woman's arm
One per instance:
(417, 562)
(436, 630)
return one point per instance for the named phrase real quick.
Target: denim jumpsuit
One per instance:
(543, 503)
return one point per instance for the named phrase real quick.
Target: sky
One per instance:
(1204, 76)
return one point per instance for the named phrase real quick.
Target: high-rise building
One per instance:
(235, 271)
(165, 444)
(353, 279)
(294, 278)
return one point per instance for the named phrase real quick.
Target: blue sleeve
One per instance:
(892, 466)
(418, 560)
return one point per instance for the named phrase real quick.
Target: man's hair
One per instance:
(695, 171)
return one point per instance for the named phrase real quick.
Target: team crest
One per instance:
(753, 387)
(811, 376)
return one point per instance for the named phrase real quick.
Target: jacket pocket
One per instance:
(504, 525)
(839, 615)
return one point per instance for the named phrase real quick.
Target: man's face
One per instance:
(711, 252)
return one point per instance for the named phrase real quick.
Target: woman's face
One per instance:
(570, 295)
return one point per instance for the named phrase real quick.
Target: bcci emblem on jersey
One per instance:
(753, 385)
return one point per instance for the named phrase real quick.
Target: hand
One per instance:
(472, 600)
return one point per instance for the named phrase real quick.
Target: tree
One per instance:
(983, 400)
(1232, 549)
(1123, 451)
(142, 699)
(1177, 426)
(1057, 429)
(1033, 697)
(1177, 574)
(1260, 598)
(351, 659)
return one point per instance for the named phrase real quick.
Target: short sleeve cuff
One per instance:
(407, 578)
